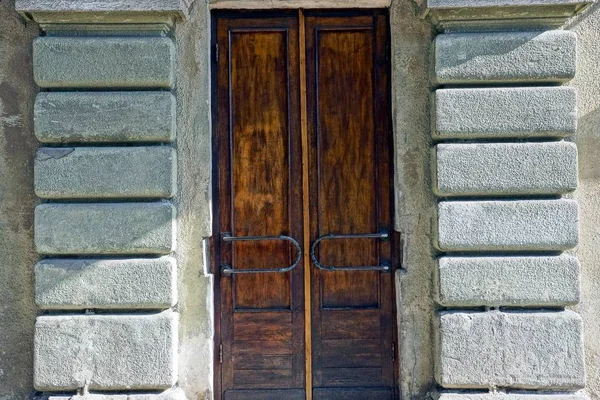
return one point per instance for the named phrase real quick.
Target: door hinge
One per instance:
(221, 353)
(217, 52)
(393, 351)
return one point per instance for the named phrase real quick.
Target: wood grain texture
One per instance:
(304, 149)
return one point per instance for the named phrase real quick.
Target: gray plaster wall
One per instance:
(587, 139)
(17, 201)
(411, 43)
(193, 203)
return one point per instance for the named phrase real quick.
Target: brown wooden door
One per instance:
(303, 162)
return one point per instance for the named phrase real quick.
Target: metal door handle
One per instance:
(228, 269)
(382, 235)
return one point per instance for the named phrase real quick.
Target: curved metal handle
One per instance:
(381, 235)
(228, 269)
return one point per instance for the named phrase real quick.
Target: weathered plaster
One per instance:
(588, 194)
(411, 41)
(17, 201)
(194, 204)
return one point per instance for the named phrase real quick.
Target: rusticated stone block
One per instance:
(508, 281)
(511, 396)
(173, 394)
(105, 352)
(505, 57)
(105, 172)
(505, 169)
(63, 117)
(491, 113)
(527, 350)
(103, 62)
(519, 225)
(105, 228)
(75, 284)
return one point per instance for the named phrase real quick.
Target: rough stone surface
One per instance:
(63, 117)
(502, 14)
(516, 350)
(491, 113)
(508, 281)
(105, 228)
(520, 225)
(75, 284)
(505, 169)
(100, 5)
(471, 58)
(174, 394)
(103, 62)
(105, 172)
(106, 352)
(511, 396)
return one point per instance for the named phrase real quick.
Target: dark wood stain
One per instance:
(259, 176)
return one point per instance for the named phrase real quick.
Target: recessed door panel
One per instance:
(260, 181)
(304, 250)
(352, 310)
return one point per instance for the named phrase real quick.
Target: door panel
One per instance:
(352, 311)
(260, 194)
(260, 126)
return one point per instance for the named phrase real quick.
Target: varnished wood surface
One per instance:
(350, 178)
(260, 194)
(303, 149)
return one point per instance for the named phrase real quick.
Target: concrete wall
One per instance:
(17, 201)
(587, 139)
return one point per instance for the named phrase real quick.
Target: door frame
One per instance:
(395, 236)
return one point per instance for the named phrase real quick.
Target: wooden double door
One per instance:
(304, 248)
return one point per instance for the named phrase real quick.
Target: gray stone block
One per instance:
(103, 62)
(505, 169)
(505, 57)
(502, 14)
(63, 117)
(508, 281)
(173, 394)
(105, 352)
(519, 225)
(75, 284)
(511, 396)
(105, 228)
(492, 113)
(105, 172)
(536, 350)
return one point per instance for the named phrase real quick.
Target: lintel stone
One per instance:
(77, 284)
(502, 14)
(105, 352)
(522, 350)
(99, 11)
